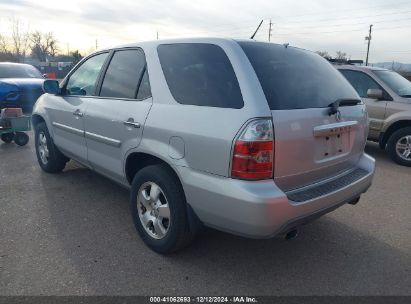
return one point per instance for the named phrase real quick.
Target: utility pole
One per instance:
(270, 30)
(157, 35)
(369, 42)
(96, 45)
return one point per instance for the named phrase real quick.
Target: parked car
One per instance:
(228, 134)
(20, 85)
(387, 96)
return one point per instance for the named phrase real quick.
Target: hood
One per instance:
(20, 90)
(32, 83)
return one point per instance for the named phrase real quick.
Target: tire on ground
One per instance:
(392, 143)
(21, 138)
(178, 234)
(56, 160)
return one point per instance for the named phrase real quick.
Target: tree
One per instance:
(3, 44)
(341, 55)
(43, 45)
(76, 55)
(20, 39)
(324, 54)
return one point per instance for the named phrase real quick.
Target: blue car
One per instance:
(20, 85)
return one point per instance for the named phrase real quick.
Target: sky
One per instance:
(317, 25)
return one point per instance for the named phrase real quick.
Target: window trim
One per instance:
(193, 105)
(77, 66)
(386, 95)
(105, 68)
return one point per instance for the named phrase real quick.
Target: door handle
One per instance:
(78, 113)
(131, 123)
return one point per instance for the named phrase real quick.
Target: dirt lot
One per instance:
(71, 234)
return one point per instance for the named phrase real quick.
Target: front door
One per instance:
(68, 117)
(376, 108)
(115, 119)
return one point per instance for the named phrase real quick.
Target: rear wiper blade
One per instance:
(342, 102)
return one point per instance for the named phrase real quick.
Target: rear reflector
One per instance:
(253, 151)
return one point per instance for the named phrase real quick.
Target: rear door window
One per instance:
(293, 78)
(124, 74)
(360, 81)
(200, 74)
(144, 90)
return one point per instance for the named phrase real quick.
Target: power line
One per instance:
(332, 32)
(348, 18)
(349, 10)
(350, 24)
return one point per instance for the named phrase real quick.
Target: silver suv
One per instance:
(247, 137)
(387, 96)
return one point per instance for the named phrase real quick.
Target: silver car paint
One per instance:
(197, 141)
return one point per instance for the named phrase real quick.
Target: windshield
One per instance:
(293, 78)
(396, 82)
(19, 71)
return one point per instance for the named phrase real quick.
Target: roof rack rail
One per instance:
(344, 61)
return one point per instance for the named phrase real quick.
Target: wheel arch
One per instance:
(392, 128)
(136, 161)
(36, 119)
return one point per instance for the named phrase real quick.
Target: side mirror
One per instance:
(375, 94)
(51, 86)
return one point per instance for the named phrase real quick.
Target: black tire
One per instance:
(7, 137)
(178, 235)
(21, 138)
(392, 144)
(56, 161)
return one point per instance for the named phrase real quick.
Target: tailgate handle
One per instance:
(335, 128)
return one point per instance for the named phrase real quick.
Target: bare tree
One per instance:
(43, 45)
(20, 39)
(76, 55)
(324, 54)
(341, 55)
(3, 44)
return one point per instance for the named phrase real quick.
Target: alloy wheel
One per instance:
(403, 147)
(153, 210)
(43, 148)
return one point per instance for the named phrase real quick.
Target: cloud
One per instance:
(303, 23)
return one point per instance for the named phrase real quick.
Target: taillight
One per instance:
(253, 151)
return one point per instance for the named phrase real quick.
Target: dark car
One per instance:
(20, 85)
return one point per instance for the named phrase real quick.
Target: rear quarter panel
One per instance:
(206, 133)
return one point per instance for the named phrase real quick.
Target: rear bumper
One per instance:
(260, 209)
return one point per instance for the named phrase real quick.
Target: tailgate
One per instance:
(311, 145)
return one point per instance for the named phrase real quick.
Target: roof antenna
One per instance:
(286, 45)
(258, 27)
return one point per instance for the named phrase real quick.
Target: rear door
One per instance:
(310, 144)
(115, 118)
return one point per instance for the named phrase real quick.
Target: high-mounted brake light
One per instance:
(253, 151)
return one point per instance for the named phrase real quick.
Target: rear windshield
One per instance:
(293, 78)
(200, 74)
